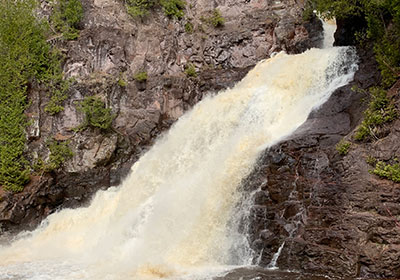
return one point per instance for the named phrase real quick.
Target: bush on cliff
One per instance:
(171, 8)
(388, 171)
(140, 76)
(97, 115)
(67, 14)
(26, 60)
(215, 19)
(343, 147)
(59, 153)
(139, 8)
(382, 19)
(379, 112)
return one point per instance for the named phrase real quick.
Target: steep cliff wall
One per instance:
(103, 60)
(330, 214)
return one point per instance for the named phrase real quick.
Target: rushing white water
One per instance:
(329, 27)
(272, 264)
(169, 219)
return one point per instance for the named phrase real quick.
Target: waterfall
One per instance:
(329, 27)
(170, 217)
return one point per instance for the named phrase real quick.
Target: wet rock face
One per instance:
(333, 215)
(111, 49)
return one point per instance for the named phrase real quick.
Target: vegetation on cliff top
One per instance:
(382, 18)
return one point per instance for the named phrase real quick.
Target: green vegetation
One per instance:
(190, 70)
(57, 88)
(380, 111)
(96, 114)
(26, 59)
(343, 147)
(171, 8)
(139, 8)
(388, 171)
(189, 27)
(59, 153)
(67, 14)
(122, 82)
(215, 19)
(382, 28)
(141, 76)
(371, 160)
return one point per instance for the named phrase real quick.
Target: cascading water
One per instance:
(172, 217)
(329, 27)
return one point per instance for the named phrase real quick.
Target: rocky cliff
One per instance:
(326, 211)
(111, 49)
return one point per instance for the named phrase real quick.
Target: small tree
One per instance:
(96, 114)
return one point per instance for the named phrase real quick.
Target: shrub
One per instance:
(189, 27)
(216, 19)
(57, 88)
(141, 76)
(343, 147)
(173, 8)
(139, 8)
(96, 114)
(122, 82)
(67, 14)
(59, 153)
(25, 57)
(388, 171)
(388, 55)
(380, 111)
(190, 70)
(371, 160)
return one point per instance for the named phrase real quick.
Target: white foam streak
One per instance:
(170, 216)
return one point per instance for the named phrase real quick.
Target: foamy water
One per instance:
(169, 219)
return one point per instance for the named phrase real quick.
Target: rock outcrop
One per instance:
(331, 215)
(111, 48)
